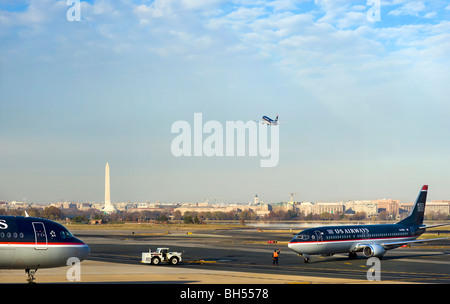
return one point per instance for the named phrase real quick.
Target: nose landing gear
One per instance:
(305, 257)
(30, 275)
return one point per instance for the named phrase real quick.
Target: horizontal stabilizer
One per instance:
(432, 226)
(394, 244)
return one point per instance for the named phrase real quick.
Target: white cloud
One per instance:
(154, 10)
(430, 15)
(413, 8)
(324, 64)
(332, 32)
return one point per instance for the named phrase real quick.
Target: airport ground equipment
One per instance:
(161, 255)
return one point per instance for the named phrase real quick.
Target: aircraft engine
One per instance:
(374, 251)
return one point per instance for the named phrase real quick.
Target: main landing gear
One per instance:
(30, 275)
(352, 255)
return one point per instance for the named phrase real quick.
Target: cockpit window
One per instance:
(58, 232)
(65, 234)
(302, 237)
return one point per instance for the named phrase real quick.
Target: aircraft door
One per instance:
(319, 236)
(40, 235)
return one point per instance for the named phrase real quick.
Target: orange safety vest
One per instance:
(275, 254)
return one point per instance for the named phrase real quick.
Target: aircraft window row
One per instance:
(375, 235)
(389, 234)
(9, 235)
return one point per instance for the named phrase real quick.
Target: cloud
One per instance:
(413, 8)
(297, 38)
(129, 68)
(343, 14)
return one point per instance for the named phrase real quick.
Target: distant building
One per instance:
(18, 205)
(389, 205)
(370, 208)
(406, 208)
(199, 207)
(283, 206)
(64, 205)
(84, 206)
(321, 207)
(442, 207)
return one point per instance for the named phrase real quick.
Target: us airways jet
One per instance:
(371, 240)
(32, 243)
(269, 121)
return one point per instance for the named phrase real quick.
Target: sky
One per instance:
(365, 103)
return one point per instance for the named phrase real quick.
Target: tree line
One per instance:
(190, 217)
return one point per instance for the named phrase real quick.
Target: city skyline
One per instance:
(364, 99)
(369, 209)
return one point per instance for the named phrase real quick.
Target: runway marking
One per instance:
(422, 279)
(243, 275)
(424, 261)
(395, 275)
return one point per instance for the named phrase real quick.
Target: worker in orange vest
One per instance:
(275, 256)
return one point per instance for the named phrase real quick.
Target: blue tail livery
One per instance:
(371, 240)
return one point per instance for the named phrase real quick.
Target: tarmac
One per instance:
(233, 256)
(107, 272)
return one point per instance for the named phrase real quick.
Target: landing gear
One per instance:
(305, 257)
(30, 275)
(352, 255)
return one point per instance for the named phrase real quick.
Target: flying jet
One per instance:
(32, 243)
(269, 121)
(371, 240)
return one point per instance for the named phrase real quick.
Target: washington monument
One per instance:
(109, 208)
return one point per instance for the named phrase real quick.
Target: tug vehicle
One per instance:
(161, 255)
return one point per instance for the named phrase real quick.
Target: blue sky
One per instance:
(365, 103)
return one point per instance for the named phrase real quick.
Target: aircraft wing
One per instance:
(388, 245)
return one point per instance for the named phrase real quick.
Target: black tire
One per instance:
(174, 260)
(155, 261)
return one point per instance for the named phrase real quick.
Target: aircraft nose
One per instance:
(293, 246)
(83, 251)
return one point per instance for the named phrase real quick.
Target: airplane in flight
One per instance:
(269, 121)
(32, 243)
(371, 240)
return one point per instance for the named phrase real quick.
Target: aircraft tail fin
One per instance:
(276, 118)
(417, 213)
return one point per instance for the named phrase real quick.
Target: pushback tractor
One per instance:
(161, 255)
